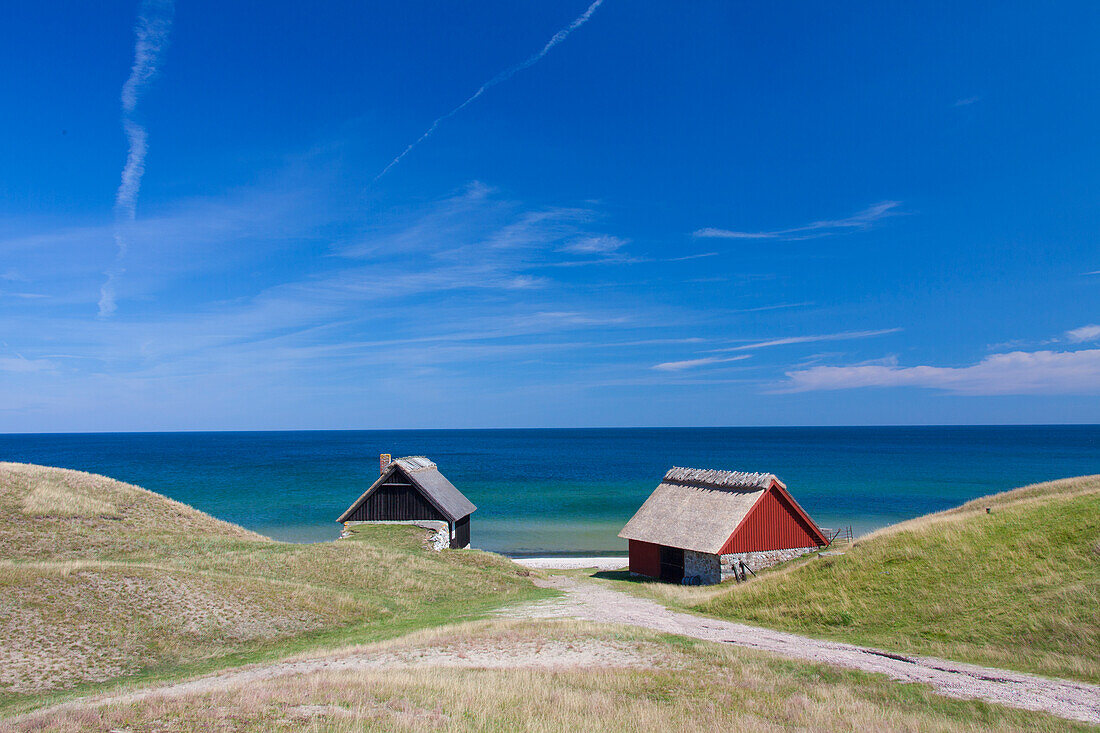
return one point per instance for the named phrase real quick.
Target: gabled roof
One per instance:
(699, 509)
(425, 476)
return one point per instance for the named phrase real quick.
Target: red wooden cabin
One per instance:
(698, 523)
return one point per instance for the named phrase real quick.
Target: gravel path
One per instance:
(475, 654)
(592, 601)
(528, 655)
(595, 602)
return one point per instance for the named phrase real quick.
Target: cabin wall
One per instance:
(754, 561)
(702, 568)
(673, 564)
(395, 503)
(645, 558)
(773, 524)
(461, 533)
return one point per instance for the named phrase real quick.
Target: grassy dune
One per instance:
(106, 586)
(634, 681)
(102, 581)
(1018, 587)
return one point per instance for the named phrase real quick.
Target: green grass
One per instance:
(1016, 588)
(642, 681)
(105, 584)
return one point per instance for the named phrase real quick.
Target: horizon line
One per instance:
(606, 427)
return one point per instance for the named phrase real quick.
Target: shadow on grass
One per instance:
(624, 575)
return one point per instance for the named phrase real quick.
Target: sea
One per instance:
(569, 491)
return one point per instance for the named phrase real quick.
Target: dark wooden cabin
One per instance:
(411, 489)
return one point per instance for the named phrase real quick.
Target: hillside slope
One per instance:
(550, 675)
(100, 580)
(1017, 587)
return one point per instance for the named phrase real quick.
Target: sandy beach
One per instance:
(572, 563)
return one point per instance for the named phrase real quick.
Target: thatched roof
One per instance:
(720, 479)
(425, 476)
(697, 509)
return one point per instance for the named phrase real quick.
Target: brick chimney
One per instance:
(383, 462)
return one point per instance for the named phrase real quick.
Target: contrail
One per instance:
(501, 77)
(151, 32)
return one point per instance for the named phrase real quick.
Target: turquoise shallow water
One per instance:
(570, 491)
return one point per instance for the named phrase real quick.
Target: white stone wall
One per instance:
(707, 568)
(757, 560)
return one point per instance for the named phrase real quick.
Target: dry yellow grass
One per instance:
(51, 500)
(658, 683)
(85, 622)
(54, 513)
(101, 580)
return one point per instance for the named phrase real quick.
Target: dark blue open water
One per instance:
(565, 491)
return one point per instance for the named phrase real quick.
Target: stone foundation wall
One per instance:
(701, 568)
(757, 560)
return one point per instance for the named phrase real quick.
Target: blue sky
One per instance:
(707, 213)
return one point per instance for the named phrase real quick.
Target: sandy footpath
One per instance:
(572, 563)
(589, 600)
(475, 654)
(593, 601)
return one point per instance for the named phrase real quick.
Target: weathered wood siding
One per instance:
(461, 533)
(772, 524)
(396, 500)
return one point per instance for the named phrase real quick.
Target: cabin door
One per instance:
(672, 564)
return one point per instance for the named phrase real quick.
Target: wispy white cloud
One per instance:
(25, 296)
(966, 101)
(498, 79)
(678, 366)
(1083, 334)
(482, 239)
(1017, 372)
(777, 306)
(448, 297)
(1090, 332)
(153, 25)
(476, 216)
(704, 361)
(602, 244)
(691, 257)
(19, 364)
(656, 342)
(824, 228)
(844, 336)
(192, 238)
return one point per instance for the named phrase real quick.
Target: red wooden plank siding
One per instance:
(772, 524)
(645, 558)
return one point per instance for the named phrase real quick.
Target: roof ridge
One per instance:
(718, 478)
(416, 463)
